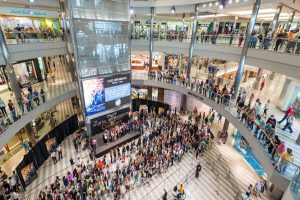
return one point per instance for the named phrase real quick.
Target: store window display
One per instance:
(25, 29)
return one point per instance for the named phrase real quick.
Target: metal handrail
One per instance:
(17, 113)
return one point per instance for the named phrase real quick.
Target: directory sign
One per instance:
(104, 93)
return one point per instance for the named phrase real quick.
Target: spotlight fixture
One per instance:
(210, 4)
(173, 9)
(131, 11)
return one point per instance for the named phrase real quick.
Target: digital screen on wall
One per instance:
(104, 93)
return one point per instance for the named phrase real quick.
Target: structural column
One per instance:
(225, 126)
(13, 82)
(192, 44)
(30, 133)
(183, 102)
(258, 78)
(250, 29)
(290, 21)
(151, 39)
(275, 20)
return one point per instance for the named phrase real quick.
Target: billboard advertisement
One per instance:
(29, 174)
(101, 123)
(104, 93)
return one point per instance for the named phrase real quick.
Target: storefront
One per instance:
(140, 60)
(30, 71)
(33, 23)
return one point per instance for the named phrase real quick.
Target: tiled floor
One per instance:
(212, 184)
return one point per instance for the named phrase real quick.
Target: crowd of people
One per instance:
(253, 113)
(165, 140)
(30, 99)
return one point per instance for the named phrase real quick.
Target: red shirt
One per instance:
(289, 112)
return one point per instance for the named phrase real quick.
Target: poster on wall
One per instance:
(51, 144)
(99, 124)
(104, 93)
(29, 174)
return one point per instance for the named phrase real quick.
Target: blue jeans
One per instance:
(284, 118)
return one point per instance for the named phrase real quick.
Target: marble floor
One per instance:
(213, 182)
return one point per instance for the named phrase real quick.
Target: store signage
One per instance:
(196, 96)
(28, 12)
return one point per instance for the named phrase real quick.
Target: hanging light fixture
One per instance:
(173, 9)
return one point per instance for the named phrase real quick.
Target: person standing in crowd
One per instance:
(36, 97)
(53, 156)
(52, 75)
(266, 109)
(286, 159)
(59, 151)
(29, 88)
(42, 95)
(288, 113)
(289, 124)
(262, 85)
(21, 105)
(27, 103)
(2, 107)
(12, 110)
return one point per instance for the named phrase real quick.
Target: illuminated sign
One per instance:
(28, 12)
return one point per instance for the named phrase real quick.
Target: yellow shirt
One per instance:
(181, 190)
(290, 36)
(287, 157)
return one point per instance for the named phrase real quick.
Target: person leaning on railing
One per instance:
(286, 159)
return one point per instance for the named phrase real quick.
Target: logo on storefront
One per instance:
(27, 12)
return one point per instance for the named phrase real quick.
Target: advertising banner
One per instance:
(51, 145)
(104, 93)
(29, 174)
(101, 123)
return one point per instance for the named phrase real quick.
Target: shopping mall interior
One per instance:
(149, 99)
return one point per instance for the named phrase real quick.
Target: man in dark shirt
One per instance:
(272, 121)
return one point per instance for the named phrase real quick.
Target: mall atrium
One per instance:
(149, 99)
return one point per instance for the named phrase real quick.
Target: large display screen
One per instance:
(104, 93)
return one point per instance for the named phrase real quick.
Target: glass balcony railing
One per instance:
(25, 37)
(260, 130)
(30, 104)
(271, 44)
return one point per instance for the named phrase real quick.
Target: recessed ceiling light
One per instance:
(204, 5)
(236, 1)
(221, 6)
(173, 9)
(210, 4)
(131, 11)
(217, 3)
(230, 2)
(31, 1)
